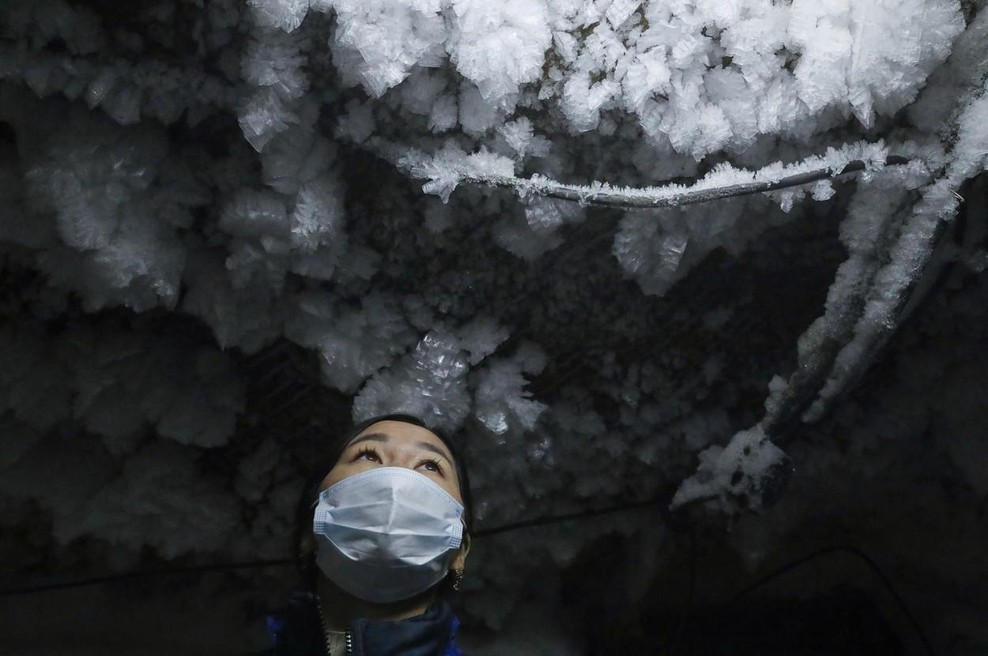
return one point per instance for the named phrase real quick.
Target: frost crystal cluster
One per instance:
(229, 227)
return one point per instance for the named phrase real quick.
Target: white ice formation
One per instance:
(214, 227)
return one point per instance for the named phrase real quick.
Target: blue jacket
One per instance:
(298, 632)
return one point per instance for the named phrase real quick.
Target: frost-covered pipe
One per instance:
(751, 471)
(641, 198)
(874, 218)
(911, 255)
(452, 167)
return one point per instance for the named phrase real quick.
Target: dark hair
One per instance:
(310, 493)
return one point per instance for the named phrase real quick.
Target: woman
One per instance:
(389, 540)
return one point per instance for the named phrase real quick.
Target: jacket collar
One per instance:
(429, 634)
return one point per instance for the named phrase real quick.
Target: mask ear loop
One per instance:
(460, 574)
(306, 547)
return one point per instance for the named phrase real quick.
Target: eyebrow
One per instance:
(381, 437)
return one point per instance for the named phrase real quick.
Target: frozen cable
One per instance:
(450, 167)
(605, 196)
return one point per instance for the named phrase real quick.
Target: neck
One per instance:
(341, 608)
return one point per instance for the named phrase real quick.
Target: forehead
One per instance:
(404, 435)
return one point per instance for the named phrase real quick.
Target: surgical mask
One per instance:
(386, 534)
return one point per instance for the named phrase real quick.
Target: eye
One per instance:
(367, 453)
(433, 466)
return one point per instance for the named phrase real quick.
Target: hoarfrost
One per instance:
(158, 500)
(354, 342)
(501, 399)
(750, 472)
(191, 196)
(384, 39)
(430, 382)
(280, 14)
(498, 46)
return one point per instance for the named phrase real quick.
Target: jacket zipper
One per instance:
(348, 636)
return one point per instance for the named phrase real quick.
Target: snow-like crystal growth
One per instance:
(158, 500)
(228, 227)
(749, 472)
(499, 46)
(273, 60)
(264, 116)
(430, 382)
(501, 400)
(971, 151)
(280, 14)
(870, 55)
(354, 342)
(481, 337)
(384, 39)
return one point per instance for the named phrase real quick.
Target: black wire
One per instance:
(279, 562)
(112, 578)
(552, 519)
(854, 551)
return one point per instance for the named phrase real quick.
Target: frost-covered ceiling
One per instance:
(217, 250)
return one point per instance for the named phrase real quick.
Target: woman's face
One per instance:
(397, 444)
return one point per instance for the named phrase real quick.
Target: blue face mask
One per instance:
(386, 534)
